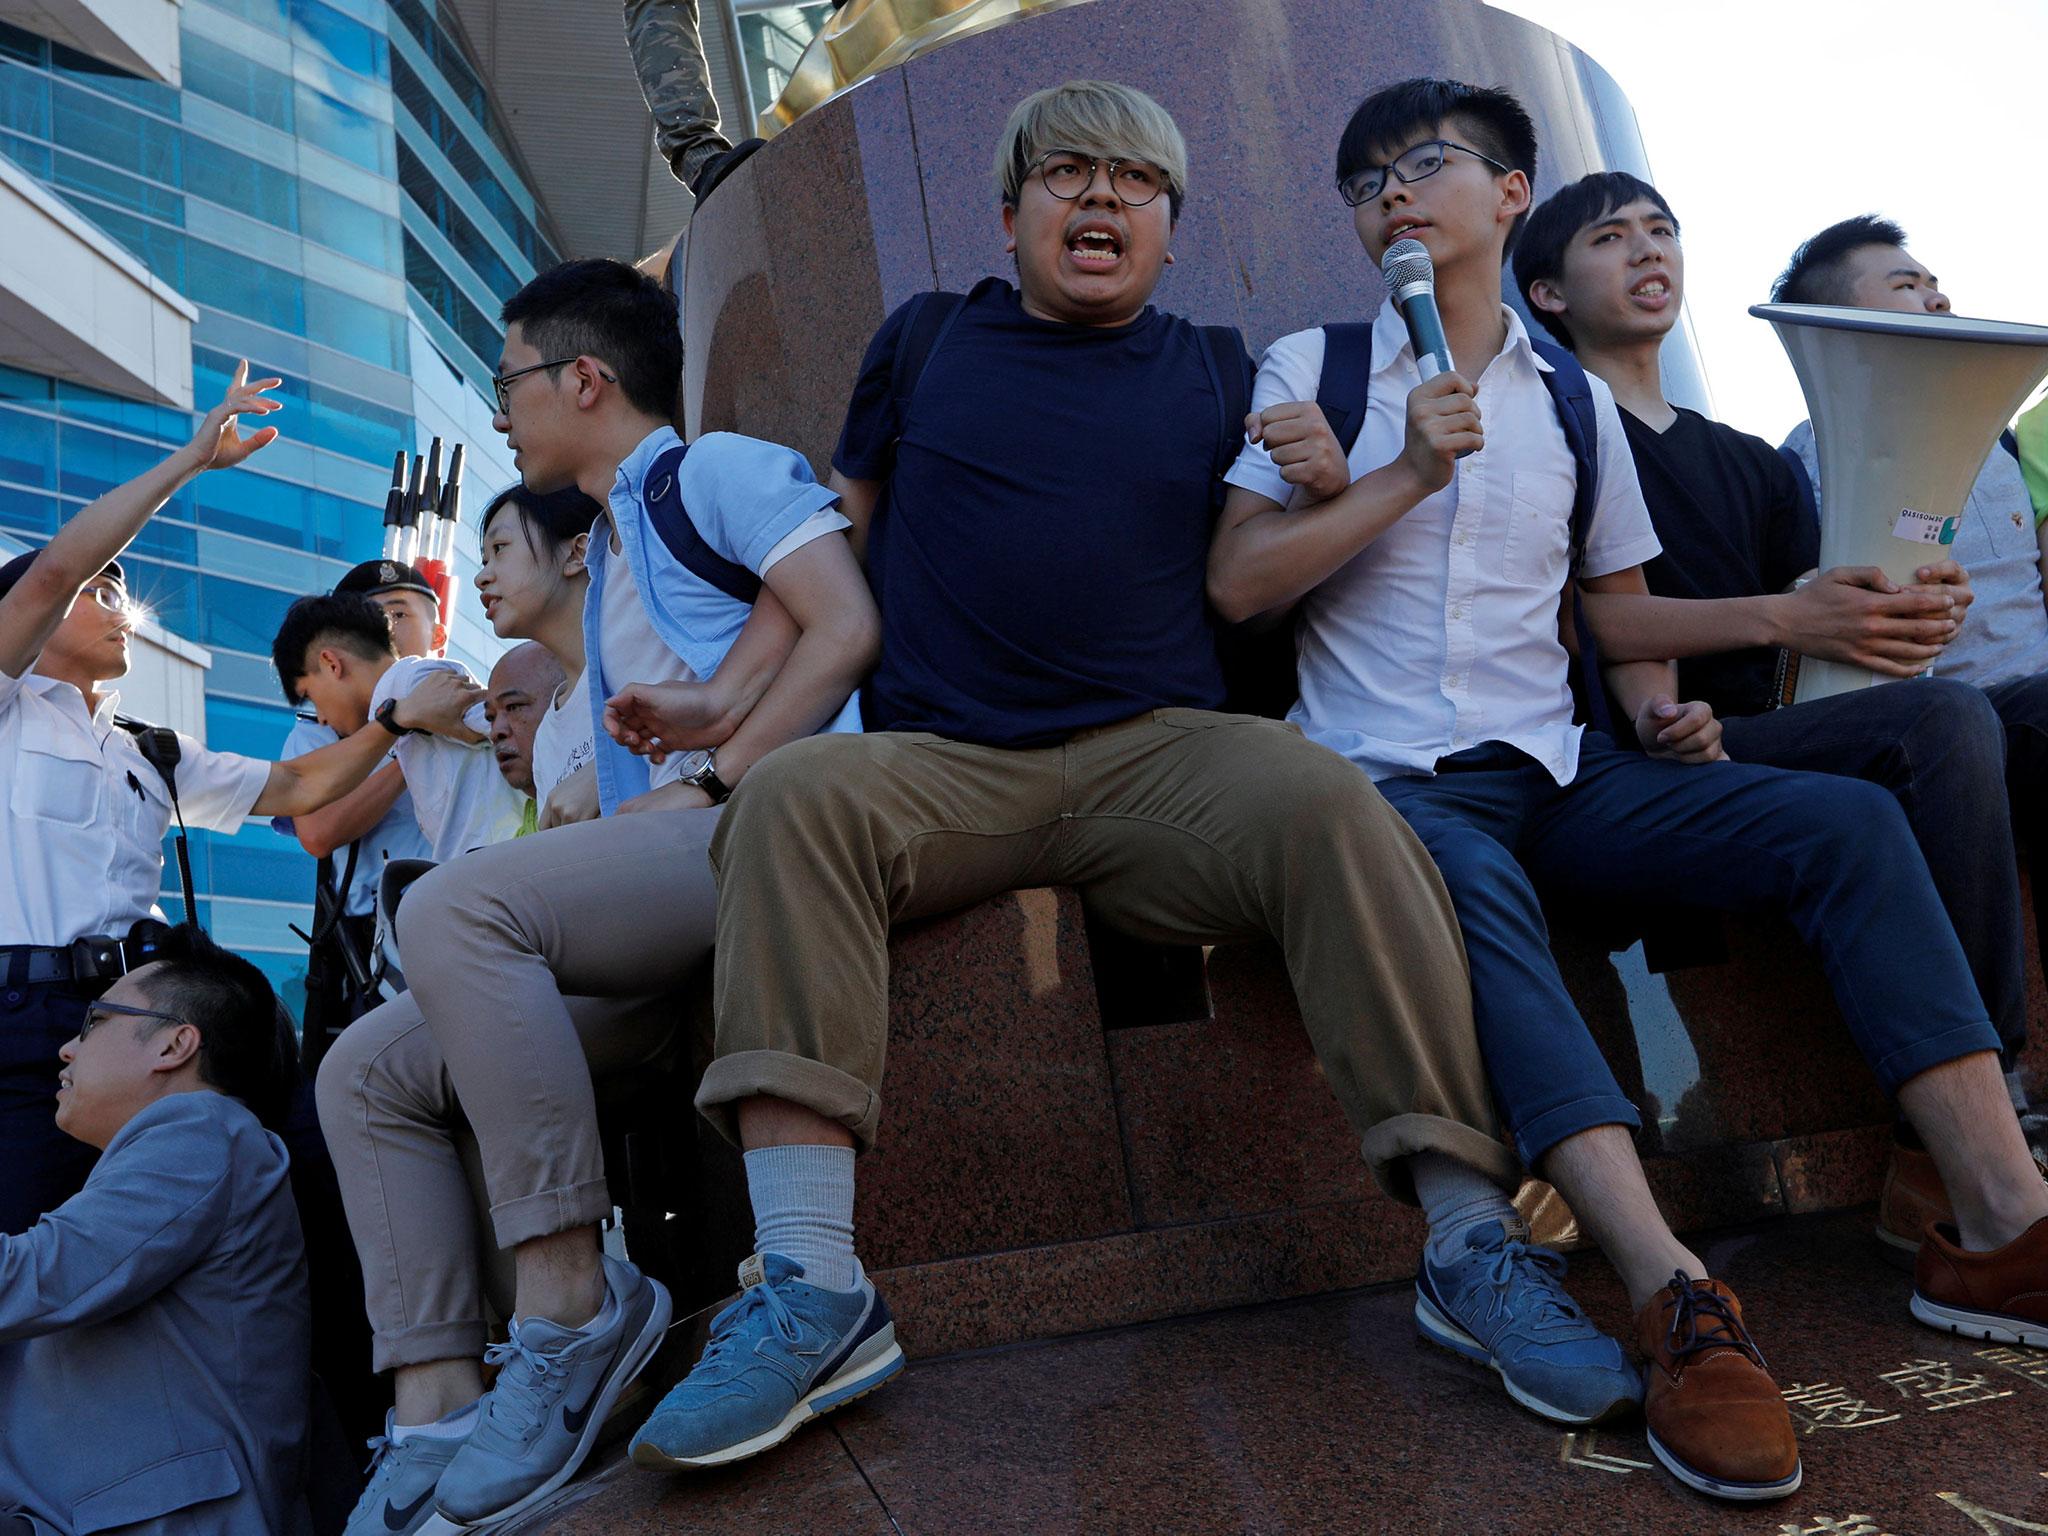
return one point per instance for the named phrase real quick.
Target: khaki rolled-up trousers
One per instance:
(536, 964)
(1179, 826)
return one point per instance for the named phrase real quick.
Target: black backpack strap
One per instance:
(2009, 440)
(1230, 374)
(930, 317)
(664, 497)
(1571, 392)
(1347, 374)
(159, 747)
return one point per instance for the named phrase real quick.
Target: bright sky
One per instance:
(1767, 120)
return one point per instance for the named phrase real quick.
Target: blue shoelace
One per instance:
(518, 1404)
(725, 1356)
(1695, 1303)
(1545, 1269)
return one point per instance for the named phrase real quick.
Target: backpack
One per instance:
(664, 497)
(1341, 392)
(1254, 661)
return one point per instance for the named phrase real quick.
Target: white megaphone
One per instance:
(1905, 408)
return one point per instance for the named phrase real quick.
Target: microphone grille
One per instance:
(1407, 264)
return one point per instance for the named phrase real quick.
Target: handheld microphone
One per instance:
(1411, 283)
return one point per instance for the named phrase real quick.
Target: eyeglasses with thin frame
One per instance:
(110, 595)
(1418, 163)
(503, 382)
(99, 1012)
(1067, 174)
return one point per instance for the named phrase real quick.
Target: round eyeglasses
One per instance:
(1416, 164)
(1067, 173)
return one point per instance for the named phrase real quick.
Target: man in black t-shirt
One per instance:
(1033, 470)
(1601, 267)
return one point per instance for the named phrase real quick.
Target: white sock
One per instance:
(451, 1426)
(1456, 1199)
(803, 1210)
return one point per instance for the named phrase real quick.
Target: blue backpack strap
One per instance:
(1230, 374)
(664, 496)
(1572, 394)
(1347, 373)
(1808, 501)
(2009, 440)
(931, 316)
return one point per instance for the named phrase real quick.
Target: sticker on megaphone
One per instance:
(1924, 527)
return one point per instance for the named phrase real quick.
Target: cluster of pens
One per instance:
(420, 516)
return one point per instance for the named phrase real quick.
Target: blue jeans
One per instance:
(44, 1167)
(1835, 856)
(2022, 705)
(1939, 748)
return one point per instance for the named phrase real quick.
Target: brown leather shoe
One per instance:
(1717, 1420)
(2001, 1295)
(1913, 1196)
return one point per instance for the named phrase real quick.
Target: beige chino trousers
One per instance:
(1181, 826)
(536, 964)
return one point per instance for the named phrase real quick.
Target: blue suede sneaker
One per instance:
(1500, 1303)
(555, 1385)
(781, 1355)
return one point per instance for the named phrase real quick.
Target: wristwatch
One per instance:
(387, 716)
(702, 772)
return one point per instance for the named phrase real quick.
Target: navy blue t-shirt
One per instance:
(1039, 548)
(1732, 523)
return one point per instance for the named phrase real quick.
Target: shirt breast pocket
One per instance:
(1539, 530)
(57, 782)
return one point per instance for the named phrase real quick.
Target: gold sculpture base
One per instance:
(868, 36)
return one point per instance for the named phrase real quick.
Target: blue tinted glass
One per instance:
(259, 862)
(243, 617)
(358, 428)
(267, 14)
(345, 225)
(26, 46)
(348, 43)
(24, 100)
(159, 249)
(15, 384)
(351, 325)
(119, 188)
(441, 295)
(220, 175)
(79, 402)
(254, 730)
(255, 505)
(27, 514)
(344, 131)
(222, 75)
(89, 72)
(167, 540)
(243, 287)
(93, 463)
(349, 530)
(30, 154)
(28, 449)
(94, 126)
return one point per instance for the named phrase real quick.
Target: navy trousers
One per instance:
(1836, 856)
(43, 1167)
(1939, 748)
(2022, 705)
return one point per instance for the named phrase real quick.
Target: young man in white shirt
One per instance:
(336, 653)
(83, 813)
(537, 963)
(1431, 562)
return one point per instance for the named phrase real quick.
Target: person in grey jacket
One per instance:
(154, 1329)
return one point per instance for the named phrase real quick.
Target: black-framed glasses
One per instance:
(503, 382)
(1418, 163)
(99, 1012)
(1067, 173)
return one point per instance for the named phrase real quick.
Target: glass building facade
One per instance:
(331, 187)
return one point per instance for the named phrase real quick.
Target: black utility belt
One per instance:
(96, 957)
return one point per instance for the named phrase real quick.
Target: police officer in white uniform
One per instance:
(83, 813)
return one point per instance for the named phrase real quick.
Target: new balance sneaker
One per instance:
(1501, 1302)
(1716, 1419)
(780, 1356)
(399, 1498)
(555, 1385)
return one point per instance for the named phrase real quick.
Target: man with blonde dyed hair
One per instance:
(1033, 471)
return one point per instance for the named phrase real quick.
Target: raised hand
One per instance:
(219, 443)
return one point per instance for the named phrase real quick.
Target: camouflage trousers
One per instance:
(667, 45)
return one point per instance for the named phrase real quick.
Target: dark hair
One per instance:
(1817, 272)
(1496, 121)
(1556, 222)
(551, 519)
(347, 619)
(615, 314)
(246, 1045)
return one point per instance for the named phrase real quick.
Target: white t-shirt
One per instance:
(561, 742)
(461, 799)
(634, 653)
(1443, 632)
